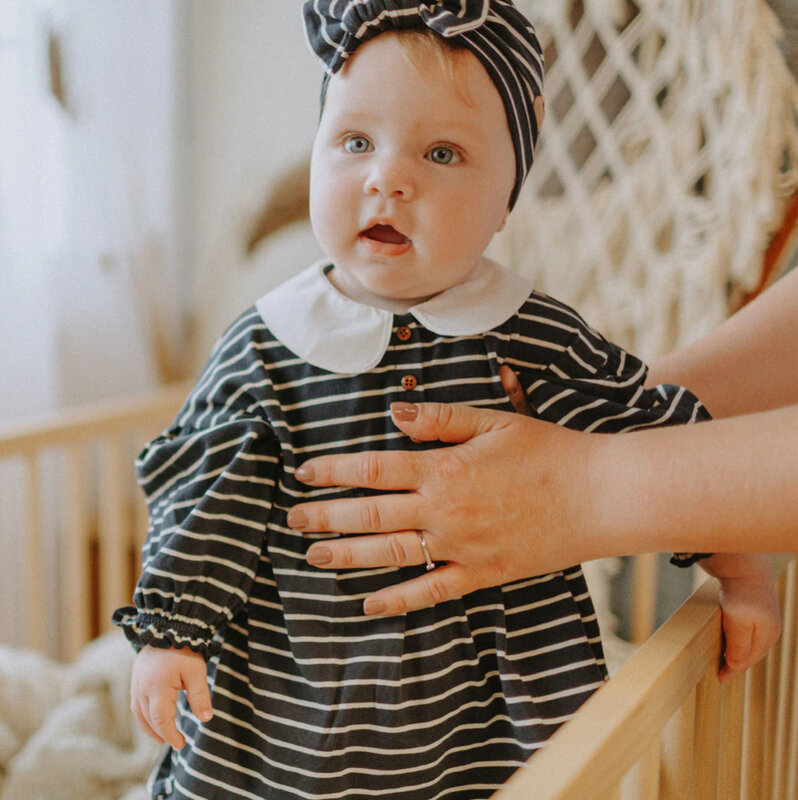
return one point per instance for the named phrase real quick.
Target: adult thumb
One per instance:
(446, 422)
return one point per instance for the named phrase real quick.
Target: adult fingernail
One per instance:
(318, 556)
(305, 473)
(404, 412)
(297, 519)
(373, 607)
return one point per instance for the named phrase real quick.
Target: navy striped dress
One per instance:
(311, 698)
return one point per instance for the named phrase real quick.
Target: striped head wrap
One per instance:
(493, 30)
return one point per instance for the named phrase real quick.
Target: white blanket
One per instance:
(66, 731)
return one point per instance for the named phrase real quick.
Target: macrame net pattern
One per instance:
(668, 154)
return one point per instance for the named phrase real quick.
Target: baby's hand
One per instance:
(158, 675)
(751, 619)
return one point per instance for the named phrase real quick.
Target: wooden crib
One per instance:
(663, 727)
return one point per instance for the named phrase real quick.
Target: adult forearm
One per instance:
(749, 363)
(726, 485)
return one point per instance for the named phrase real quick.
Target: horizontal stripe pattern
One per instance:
(312, 699)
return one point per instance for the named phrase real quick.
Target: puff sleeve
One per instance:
(593, 385)
(208, 482)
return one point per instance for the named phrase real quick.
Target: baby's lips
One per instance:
(385, 233)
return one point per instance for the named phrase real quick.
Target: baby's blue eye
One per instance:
(442, 155)
(357, 144)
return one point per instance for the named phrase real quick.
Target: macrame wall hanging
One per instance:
(666, 162)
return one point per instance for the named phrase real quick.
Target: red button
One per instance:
(409, 382)
(403, 333)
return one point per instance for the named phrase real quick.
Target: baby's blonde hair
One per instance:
(421, 46)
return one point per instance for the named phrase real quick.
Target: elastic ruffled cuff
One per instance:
(160, 631)
(687, 559)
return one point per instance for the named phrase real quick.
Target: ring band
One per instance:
(430, 562)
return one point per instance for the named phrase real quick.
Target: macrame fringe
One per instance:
(668, 156)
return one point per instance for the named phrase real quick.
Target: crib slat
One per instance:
(33, 558)
(707, 740)
(792, 761)
(113, 534)
(771, 705)
(755, 687)
(74, 557)
(676, 776)
(642, 782)
(787, 670)
(792, 721)
(731, 755)
(644, 592)
(140, 519)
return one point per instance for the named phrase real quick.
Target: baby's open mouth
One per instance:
(385, 233)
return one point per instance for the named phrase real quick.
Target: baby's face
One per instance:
(410, 177)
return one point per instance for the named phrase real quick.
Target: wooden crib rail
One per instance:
(665, 728)
(80, 564)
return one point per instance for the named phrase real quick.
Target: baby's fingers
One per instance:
(199, 697)
(765, 635)
(737, 653)
(143, 724)
(161, 717)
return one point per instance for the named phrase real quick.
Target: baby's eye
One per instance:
(443, 155)
(357, 144)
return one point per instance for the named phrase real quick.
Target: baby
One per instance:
(430, 116)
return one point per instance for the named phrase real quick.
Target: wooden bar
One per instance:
(648, 772)
(772, 673)
(33, 558)
(642, 781)
(140, 518)
(644, 594)
(731, 748)
(74, 558)
(150, 411)
(754, 733)
(792, 737)
(787, 677)
(114, 539)
(792, 760)
(707, 735)
(678, 753)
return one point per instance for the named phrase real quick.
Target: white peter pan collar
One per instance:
(332, 331)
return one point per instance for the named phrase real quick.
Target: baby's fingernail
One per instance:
(305, 473)
(404, 412)
(318, 556)
(205, 715)
(297, 519)
(373, 607)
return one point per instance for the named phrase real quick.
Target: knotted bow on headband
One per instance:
(493, 30)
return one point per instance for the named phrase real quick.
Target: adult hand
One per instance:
(509, 474)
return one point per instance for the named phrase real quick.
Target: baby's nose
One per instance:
(390, 178)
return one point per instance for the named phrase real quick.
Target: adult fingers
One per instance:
(390, 512)
(195, 683)
(514, 390)
(446, 422)
(397, 549)
(390, 471)
(142, 722)
(436, 586)
(161, 717)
